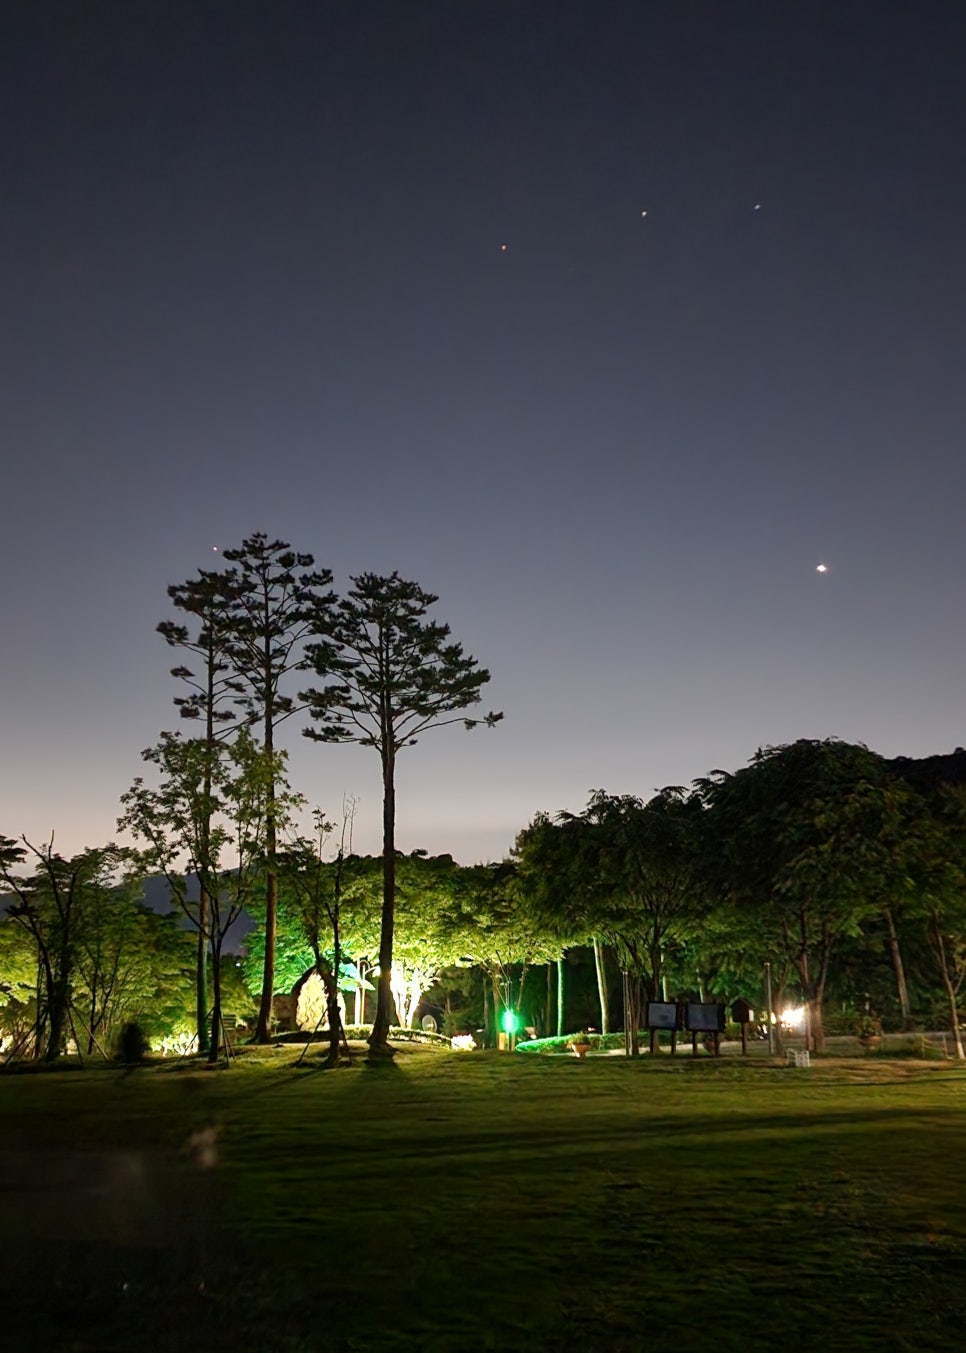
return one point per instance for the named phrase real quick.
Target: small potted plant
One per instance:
(580, 1044)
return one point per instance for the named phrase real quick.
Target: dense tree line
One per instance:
(216, 815)
(846, 873)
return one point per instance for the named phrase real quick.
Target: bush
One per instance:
(132, 1046)
(598, 1043)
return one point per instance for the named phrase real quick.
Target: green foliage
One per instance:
(18, 981)
(18, 963)
(204, 818)
(434, 926)
(804, 846)
(624, 870)
(61, 905)
(564, 1044)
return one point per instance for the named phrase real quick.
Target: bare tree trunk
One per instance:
(93, 1018)
(632, 1014)
(204, 902)
(778, 1005)
(332, 987)
(809, 1009)
(201, 972)
(263, 1029)
(57, 1013)
(601, 986)
(950, 989)
(379, 1038)
(812, 991)
(214, 1042)
(898, 965)
(495, 982)
(335, 1027)
(819, 994)
(524, 970)
(333, 1013)
(560, 996)
(656, 958)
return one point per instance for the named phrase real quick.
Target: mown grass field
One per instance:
(487, 1201)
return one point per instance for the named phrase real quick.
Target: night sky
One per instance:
(253, 277)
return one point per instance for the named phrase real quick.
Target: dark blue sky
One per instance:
(251, 278)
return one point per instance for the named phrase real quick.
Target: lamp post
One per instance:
(510, 1022)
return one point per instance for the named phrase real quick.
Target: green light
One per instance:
(510, 1021)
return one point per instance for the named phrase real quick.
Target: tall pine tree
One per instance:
(397, 675)
(278, 602)
(210, 689)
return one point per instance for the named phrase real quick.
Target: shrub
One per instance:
(132, 1046)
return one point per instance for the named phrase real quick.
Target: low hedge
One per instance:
(550, 1046)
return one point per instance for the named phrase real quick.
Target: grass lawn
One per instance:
(486, 1201)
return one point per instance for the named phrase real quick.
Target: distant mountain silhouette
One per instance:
(157, 896)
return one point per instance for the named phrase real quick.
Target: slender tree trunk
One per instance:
(204, 902)
(812, 992)
(560, 996)
(657, 973)
(632, 1009)
(333, 1013)
(263, 1030)
(379, 1038)
(57, 1011)
(602, 986)
(397, 986)
(332, 985)
(778, 1002)
(43, 1003)
(57, 1025)
(950, 989)
(486, 1009)
(201, 972)
(414, 996)
(548, 1004)
(818, 1001)
(524, 969)
(215, 1040)
(898, 965)
(93, 1018)
(801, 962)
